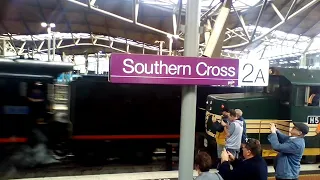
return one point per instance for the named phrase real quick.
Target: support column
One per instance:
(86, 63)
(53, 46)
(49, 42)
(170, 46)
(160, 46)
(214, 46)
(143, 49)
(98, 54)
(4, 47)
(189, 94)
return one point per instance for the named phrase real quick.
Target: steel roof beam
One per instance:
(135, 11)
(179, 18)
(243, 25)
(28, 29)
(290, 10)
(277, 12)
(258, 19)
(107, 13)
(297, 25)
(94, 42)
(41, 11)
(10, 37)
(65, 17)
(92, 2)
(306, 7)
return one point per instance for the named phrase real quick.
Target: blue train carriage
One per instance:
(26, 97)
(292, 96)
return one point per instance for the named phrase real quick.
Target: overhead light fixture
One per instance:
(43, 24)
(52, 25)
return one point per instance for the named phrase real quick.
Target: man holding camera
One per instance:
(290, 150)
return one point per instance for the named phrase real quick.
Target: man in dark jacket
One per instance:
(290, 150)
(253, 167)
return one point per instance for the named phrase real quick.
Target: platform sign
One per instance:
(313, 119)
(253, 73)
(179, 70)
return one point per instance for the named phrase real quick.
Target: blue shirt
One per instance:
(290, 151)
(235, 132)
(209, 176)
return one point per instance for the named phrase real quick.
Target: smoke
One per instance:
(28, 156)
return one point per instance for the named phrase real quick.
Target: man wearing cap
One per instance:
(290, 150)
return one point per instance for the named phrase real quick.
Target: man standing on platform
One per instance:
(290, 150)
(234, 133)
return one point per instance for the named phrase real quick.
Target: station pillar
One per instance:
(189, 94)
(214, 45)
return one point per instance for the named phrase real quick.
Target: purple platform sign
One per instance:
(179, 70)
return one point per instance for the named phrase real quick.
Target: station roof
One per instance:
(154, 22)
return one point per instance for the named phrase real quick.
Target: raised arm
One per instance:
(286, 147)
(282, 137)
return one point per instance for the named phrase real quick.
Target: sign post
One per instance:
(189, 94)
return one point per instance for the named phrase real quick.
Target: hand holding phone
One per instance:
(273, 128)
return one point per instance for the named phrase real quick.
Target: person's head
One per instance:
(299, 130)
(225, 112)
(251, 148)
(239, 113)
(203, 162)
(232, 115)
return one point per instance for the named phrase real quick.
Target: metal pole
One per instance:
(189, 94)
(53, 46)
(170, 46)
(98, 63)
(49, 42)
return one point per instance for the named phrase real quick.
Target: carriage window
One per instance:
(314, 96)
(306, 95)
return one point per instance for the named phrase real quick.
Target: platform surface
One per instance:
(312, 169)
